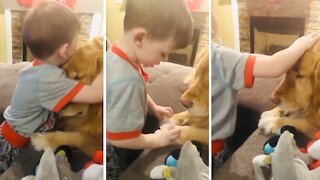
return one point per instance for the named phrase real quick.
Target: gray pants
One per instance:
(118, 159)
(8, 154)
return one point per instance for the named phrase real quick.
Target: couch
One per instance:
(165, 86)
(27, 161)
(248, 141)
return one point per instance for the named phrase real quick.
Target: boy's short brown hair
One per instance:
(47, 26)
(161, 18)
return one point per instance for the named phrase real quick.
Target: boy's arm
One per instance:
(282, 61)
(91, 93)
(159, 111)
(162, 137)
(151, 103)
(143, 141)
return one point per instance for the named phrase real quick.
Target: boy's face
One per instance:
(154, 51)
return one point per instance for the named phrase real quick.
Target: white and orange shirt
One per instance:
(42, 90)
(231, 71)
(126, 96)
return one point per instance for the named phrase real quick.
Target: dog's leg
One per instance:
(275, 112)
(86, 143)
(272, 125)
(180, 118)
(193, 133)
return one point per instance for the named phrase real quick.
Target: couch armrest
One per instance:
(8, 76)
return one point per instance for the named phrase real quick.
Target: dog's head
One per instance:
(85, 64)
(299, 88)
(195, 99)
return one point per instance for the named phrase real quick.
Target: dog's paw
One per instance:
(177, 121)
(40, 142)
(268, 124)
(272, 113)
(183, 135)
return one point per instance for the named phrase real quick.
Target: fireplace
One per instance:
(269, 35)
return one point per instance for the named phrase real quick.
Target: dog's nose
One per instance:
(275, 100)
(186, 103)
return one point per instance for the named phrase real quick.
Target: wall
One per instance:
(3, 48)
(309, 9)
(114, 21)
(223, 11)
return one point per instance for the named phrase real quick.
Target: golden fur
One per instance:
(195, 121)
(79, 125)
(297, 97)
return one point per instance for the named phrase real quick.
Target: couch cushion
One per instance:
(165, 84)
(257, 98)
(239, 166)
(251, 103)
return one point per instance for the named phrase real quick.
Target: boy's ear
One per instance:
(139, 36)
(62, 51)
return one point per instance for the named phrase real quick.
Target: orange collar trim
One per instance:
(123, 55)
(36, 62)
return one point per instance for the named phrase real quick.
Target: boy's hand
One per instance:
(308, 41)
(167, 134)
(264, 66)
(163, 112)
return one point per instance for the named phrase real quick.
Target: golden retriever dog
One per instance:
(79, 125)
(194, 122)
(297, 97)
